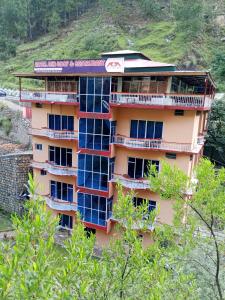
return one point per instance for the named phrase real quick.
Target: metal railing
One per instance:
(55, 169)
(161, 99)
(60, 204)
(54, 134)
(153, 144)
(131, 183)
(41, 96)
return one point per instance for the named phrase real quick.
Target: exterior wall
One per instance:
(121, 166)
(43, 182)
(165, 207)
(14, 175)
(40, 115)
(42, 155)
(178, 129)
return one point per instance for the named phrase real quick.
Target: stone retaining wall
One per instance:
(14, 170)
(20, 126)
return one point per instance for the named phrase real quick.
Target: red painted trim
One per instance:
(94, 226)
(93, 115)
(51, 102)
(158, 107)
(92, 151)
(91, 191)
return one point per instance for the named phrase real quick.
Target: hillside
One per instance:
(95, 32)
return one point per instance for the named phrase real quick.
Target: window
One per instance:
(94, 94)
(94, 134)
(60, 156)
(59, 122)
(38, 105)
(89, 231)
(140, 201)
(138, 167)
(61, 190)
(178, 112)
(66, 221)
(43, 172)
(38, 146)
(146, 129)
(94, 209)
(94, 171)
(171, 155)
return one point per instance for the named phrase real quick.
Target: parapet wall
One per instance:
(14, 170)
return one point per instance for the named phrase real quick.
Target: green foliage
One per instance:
(31, 268)
(190, 16)
(216, 131)
(199, 224)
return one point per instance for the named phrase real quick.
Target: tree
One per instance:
(30, 268)
(200, 239)
(189, 16)
(215, 141)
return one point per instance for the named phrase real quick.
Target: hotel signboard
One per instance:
(80, 66)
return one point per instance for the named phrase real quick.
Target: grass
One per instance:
(5, 222)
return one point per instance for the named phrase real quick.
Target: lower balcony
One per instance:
(55, 169)
(55, 134)
(168, 100)
(48, 97)
(131, 183)
(157, 144)
(61, 205)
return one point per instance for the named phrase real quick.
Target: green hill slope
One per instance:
(90, 35)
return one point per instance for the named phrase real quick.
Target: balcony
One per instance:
(131, 183)
(61, 205)
(167, 100)
(55, 169)
(48, 97)
(55, 134)
(157, 144)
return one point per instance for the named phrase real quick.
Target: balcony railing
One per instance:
(189, 101)
(131, 183)
(47, 97)
(154, 144)
(55, 169)
(60, 204)
(201, 140)
(55, 134)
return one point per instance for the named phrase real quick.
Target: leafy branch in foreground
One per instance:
(202, 234)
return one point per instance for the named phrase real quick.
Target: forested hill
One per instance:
(190, 33)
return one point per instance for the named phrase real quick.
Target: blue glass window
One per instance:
(93, 171)
(140, 201)
(94, 209)
(66, 221)
(94, 94)
(60, 122)
(94, 134)
(146, 129)
(60, 156)
(61, 190)
(138, 167)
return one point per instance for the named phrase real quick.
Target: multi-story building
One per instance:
(98, 121)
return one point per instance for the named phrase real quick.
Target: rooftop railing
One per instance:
(55, 169)
(55, 134)
(191, 101)
(42, 96)
(60, 204)
(131, 183)
(156, 144)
